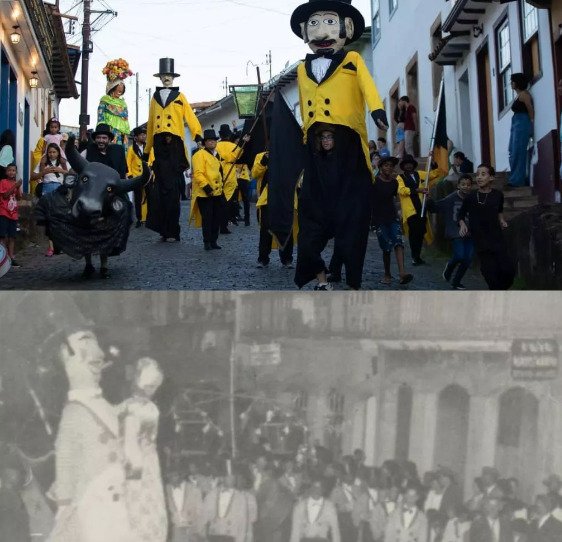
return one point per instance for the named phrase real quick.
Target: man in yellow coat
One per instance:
(169, 113)
(134, 156)
(207, 198)
(334, 87)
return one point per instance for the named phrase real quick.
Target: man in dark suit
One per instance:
(452, 497)
(491, 526)
(545, 528)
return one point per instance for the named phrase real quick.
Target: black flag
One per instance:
(286, 164)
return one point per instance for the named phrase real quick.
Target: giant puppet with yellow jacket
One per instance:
(334, 88)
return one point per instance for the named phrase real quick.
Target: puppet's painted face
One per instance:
(167, 80)
(324, 33)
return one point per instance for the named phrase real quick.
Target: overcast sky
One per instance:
(210, 40)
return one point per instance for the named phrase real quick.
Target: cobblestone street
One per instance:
(149, 264)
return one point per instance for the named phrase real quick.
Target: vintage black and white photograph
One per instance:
(250, 417)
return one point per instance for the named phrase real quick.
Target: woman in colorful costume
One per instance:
(112, 109)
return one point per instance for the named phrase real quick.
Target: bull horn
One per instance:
(127, 185)
(75, 159)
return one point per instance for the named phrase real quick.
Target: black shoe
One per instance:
(262, 265)
(234, 222)
(288, 265)
(214, 246)
(418, 261)
(104, 273)
(88, 272)
(15, 264)
(177, 239)
(323, 288)
(459, 286)
(163, 239)
(448, 272)
(225, 232)
(138, 224)
(246, 224)
(208, 246)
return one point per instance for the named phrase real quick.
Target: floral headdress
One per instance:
(116, 72)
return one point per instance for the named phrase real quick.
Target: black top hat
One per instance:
(224, 131)
(167, 68)
(342, 7)
(210, 134)
(139, 130)
(103, 129)
(408, 159)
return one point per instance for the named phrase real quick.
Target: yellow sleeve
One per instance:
(151, 157)
(191, 120)
(129, 159)
(403, 190)
(199, 164)
(434, 174)
(150, 127)
(228, 151)
(37, 153)
(258, 170)
(367, 85)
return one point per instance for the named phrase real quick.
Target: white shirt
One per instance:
(257, 480)
(408, 515)
(225, 496)
(313, 507)
(164, 93)
(320, 67)
(495, 528)
(433, 501)
(178, 493)
(84, 394)
(542, 521)
(50, 177)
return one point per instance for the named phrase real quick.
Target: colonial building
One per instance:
(36, 72)
(413, 377)
(224, 111)
(476, 46)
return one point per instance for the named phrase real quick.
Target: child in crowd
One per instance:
(463, 247)
(386, 221)
(52, 135)
(10, 192)
(484, 209)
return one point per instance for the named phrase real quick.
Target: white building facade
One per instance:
(476, 46)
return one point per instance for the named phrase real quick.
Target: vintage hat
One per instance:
(225, 131)
(167, 68)
(112, 84)
(408, 159)
(342, 7)
(103, 129)
(139, 130)
(210, 134)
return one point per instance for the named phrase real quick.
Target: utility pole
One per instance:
(269, 61)
(225, 86)
(137, 98)
(87, 48)
(149, 93)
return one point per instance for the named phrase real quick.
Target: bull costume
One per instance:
(90, 213)
(334, 87)
(169, 113)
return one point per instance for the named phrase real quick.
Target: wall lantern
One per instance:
(15, 36)
(33, 80)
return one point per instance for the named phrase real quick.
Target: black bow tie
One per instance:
(158, 89)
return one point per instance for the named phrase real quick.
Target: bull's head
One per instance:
(97, 187)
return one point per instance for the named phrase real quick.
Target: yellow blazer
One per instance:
(229, 153)
(243, 172)
(341, 98)
(172, 118)
(207, 170)
(258, 173)
(407, 206)
(134, 169)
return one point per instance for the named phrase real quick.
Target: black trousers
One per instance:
(417, 228)
(138, 194)
(497, 268)
(229, 211)
(286, 254)
(244, 188)
(211, 209)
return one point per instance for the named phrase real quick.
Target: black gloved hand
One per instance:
(198, 138)
(264, 160)
(379, 116)
(145, 157)
(208, 190)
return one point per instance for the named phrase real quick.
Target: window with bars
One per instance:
(530, 41)
(503, 57)
(376, 27)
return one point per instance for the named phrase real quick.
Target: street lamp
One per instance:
(33, 80)
(246, 98)
(15, 36)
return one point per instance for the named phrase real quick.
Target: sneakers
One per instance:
(323, 287)
(15, 263)
(459, 286)
(49, 253)
(447, 272)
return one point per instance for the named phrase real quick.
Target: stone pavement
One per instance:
(149, 264)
